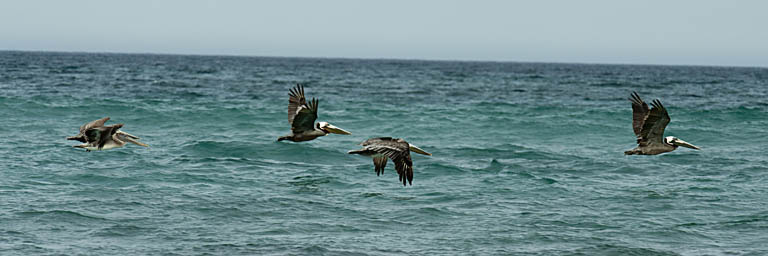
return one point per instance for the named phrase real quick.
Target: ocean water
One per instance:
(527, 158)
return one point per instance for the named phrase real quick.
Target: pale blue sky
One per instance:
(647, 32)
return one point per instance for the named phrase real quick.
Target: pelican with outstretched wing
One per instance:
(93, 124)
(302, 115)
(398, 150)
(649, 127)
(96, 136)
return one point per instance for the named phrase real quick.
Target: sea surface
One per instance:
(527, 158)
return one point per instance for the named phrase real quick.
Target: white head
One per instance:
(124, 136)
(674, 141)
(329, 128)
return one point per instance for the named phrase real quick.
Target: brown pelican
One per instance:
(96, 136)
(302, 115)
(649, 127)
(396, 149)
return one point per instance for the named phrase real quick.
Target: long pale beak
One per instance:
(131, 140)
(333, 129)
(680, 142)
(80, 146)
(416, 149)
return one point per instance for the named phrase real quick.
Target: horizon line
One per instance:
(383, 58)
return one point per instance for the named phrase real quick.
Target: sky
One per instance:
(684, 32)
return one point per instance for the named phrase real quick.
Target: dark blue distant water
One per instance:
(528, 158)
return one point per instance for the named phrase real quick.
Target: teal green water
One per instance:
(527, 158)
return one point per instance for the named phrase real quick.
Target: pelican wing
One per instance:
(379, 163)
(397, 150)
(93, 135)
(301, 114)
(305, 117)
(94, 123)
(295, 101)
(639, 112)
(657, 120)
(99, 136)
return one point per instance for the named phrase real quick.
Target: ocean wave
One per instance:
(122, 230)
(62, 215)
(614, 249)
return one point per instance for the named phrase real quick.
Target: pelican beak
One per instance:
(680, 142)
(131, 140)
(416, 149)
(333, 129)
(80, 146)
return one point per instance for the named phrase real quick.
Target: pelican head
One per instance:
(329, 128)
(672, 140)
(416, 149)
(127, 137)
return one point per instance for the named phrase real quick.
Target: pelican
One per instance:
(96, 136)
(396, 149)
(302, 116)
(649, 128)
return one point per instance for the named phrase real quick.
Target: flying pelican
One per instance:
(96, 136)
(396, 149)
(649, 128)
(302, 116)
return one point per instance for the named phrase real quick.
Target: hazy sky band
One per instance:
(637, 32)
